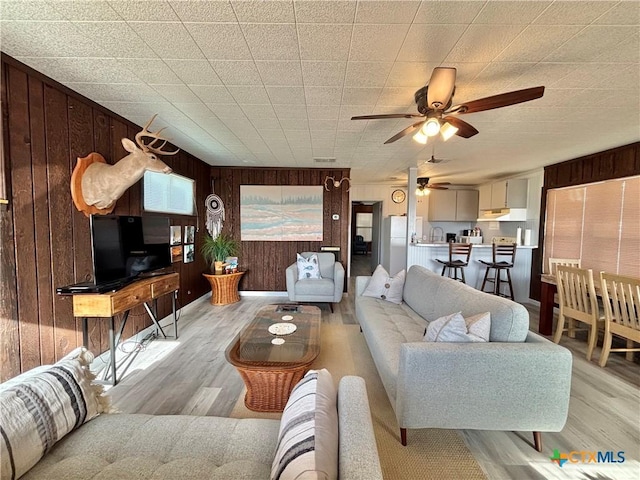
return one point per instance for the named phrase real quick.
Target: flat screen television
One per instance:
(126, 247)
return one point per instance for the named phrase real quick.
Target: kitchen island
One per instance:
(425, 254)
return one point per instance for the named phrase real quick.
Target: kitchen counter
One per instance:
(476, 245)
(425, 254)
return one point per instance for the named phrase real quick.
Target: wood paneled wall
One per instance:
(265, 262)
(45, 241)
(617, 162)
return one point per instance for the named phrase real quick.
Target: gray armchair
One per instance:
(327, 289)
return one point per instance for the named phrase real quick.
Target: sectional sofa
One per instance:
(516, 381)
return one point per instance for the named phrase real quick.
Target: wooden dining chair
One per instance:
(578, 301)
(569, 262)
(621, 298)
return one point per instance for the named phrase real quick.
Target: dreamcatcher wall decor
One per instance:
(215, 215)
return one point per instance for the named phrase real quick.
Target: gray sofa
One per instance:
(517, 381)
(123, 446)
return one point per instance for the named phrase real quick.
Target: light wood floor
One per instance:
(192, 376)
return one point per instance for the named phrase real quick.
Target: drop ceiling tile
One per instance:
(297, 138)
(195, 111)
(429, 43)
(323, 73)
(324, 41)
(546, 74)
(177, 93)
(28, 10)
(361, 96)
(212, 93)
(459, 12)
(78, 10)
(366, 44)
(132, 109)
(510, 12)
(280, 72)
(580, 47)
(378, 12)
(323, 112)
(194, 72)
(323, 95)
(260, 111)
(254, 95)
(237, 72)
(144, 10)
(266, 12)
(225, 111)
(199, 11)
(535, 42)
(262, 124)
(367, 74)
(573, 13)
(396, 96)
(325, 11)
(271, 41)
(151, 71)
(220, 41)
(168, 40)
(295, 112)
(117, 93)
(321, 125)
(627, 51)
(410, 74)
(623, 13)
(128, 45)
(482, 43)
(286, 95)
(294, 124)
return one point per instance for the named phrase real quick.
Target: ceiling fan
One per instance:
(434, 104)
(424, 185)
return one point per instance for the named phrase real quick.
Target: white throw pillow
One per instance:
(384, 287)
(455, 328)
(308, 267)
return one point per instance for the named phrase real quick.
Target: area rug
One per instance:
(430, 453)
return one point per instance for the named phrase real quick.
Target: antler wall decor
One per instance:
(336, 183)
(96, 185)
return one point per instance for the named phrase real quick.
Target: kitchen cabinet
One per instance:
(453, 205)
(503, 194)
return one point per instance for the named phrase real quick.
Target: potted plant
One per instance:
(216, 250)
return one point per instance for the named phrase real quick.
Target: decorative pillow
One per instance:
(41, 407)
(308, 267)
(455, 328)
(384, 287)
(308, 438)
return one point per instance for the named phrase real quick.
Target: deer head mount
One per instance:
(96, 185)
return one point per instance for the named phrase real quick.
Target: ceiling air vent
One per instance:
(324, 160)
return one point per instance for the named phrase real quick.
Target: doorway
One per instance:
(365, 238)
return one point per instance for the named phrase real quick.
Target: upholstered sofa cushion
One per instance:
(39, 407)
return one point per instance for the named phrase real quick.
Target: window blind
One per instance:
(598, 223)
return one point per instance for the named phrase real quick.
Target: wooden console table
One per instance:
(224, 288)
(108, 305)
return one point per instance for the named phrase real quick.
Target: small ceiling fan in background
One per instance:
(434, 104)
(424, 186)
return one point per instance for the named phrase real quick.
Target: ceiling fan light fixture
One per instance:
(431, 128)
(421, 192)
(447, 131)
(420, 137)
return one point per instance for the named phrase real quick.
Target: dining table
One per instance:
(548, 290)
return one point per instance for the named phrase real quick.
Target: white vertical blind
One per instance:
(598, 223)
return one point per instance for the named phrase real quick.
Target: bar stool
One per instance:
(508, 252)
(459, 249)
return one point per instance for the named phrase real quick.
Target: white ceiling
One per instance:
(274, 83)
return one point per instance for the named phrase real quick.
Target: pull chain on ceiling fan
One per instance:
(434, 106)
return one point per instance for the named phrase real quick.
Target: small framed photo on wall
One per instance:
(176, 254)
(189, 233)
(176, 234)
(189, 253)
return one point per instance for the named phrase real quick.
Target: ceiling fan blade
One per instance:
(406, 131)
(389, 115)
(436, 187)
(440, 89)
(465, 130)
(499, 101)
(437, 184)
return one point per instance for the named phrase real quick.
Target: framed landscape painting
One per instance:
(281, 213)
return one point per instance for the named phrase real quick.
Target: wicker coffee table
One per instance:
(272, 363)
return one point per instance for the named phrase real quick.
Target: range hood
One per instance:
(503, 215)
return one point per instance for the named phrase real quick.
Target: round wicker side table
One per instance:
(224, 288)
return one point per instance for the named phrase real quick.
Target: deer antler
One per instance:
(156, 138)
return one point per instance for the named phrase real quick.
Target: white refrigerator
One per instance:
(394, 242)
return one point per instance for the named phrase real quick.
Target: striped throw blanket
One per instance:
(40, 407)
